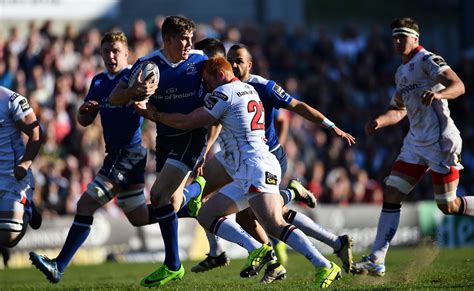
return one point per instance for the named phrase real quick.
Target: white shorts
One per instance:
(16, 196)
(259, 174)
(439, 157)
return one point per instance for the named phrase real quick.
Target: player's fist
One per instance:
(371, 127)
(428, 96)
(89, 108)
(19, 172)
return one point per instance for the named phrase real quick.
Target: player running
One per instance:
(122, 173)
(424, 84)
(255, 171)
(16, 178)
(177, 151)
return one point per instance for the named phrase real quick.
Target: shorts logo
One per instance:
(271, 179)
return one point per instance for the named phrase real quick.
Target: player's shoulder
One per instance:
(197, 55)
(431, 58)
(7, 95)
(257, 80)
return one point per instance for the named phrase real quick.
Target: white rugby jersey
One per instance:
(13, 107)
(427, 123)
(239, 109)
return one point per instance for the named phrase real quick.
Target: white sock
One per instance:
(386, 229)
(296, 239)
(215, 248)
(233, 232)
(314, 230)
(468, 205)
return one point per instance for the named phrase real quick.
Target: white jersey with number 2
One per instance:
(238, 108)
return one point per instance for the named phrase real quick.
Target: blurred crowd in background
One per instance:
(348, 75)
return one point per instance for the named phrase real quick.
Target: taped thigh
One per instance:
(99, 191)
(400, 183)
(131, 200)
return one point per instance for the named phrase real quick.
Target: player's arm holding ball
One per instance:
(142, 84)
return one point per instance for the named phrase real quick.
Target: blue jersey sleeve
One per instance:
(277, 95)
(91, 95)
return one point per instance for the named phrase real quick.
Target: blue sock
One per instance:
(169, 231)
(287, 195)
(183, 212)
(273, 240)
(78, 233)
(191, 191)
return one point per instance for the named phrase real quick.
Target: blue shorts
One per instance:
(185, 148)
(280, 154)
(125, 167)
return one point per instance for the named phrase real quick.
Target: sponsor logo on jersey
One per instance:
(279, 90)
(242, 93)
(439, 61)
(171, 90)
(271, 179)
(425, 57)
(191, 69)
(24, 104)
(97, 83)
(412, 67)
(13, 97)
(210, 102)
(407, 89)
(220, 95)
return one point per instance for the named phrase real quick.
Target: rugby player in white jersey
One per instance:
(247, 160)
(16, 178)
(424, 84)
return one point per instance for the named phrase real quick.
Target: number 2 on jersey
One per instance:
(257, 107)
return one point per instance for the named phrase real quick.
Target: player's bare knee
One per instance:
(8, 239)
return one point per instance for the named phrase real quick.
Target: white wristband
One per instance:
(328, 123)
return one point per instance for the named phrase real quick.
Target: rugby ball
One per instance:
(148, 69)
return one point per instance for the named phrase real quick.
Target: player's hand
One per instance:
(20, 172)
(141, 108)
(336, 131)
(371, 127)
(199, 168)
(429, 96)
(89, 108)
(144, 87)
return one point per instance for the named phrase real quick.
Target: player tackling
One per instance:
(424, 84)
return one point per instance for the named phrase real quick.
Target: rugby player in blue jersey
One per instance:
(122, 173)
(180, 90)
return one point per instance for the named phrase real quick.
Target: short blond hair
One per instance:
(114, 36)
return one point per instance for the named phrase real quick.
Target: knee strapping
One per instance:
(131, 200)
(98, 190)
(399, 183)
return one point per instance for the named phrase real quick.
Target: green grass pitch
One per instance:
(425, 268)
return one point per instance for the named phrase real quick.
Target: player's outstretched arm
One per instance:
(390, 117)
(313, 115)
(31, 127)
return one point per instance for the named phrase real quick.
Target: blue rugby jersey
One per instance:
(121, 124)
(273, 97)
(180, 89)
